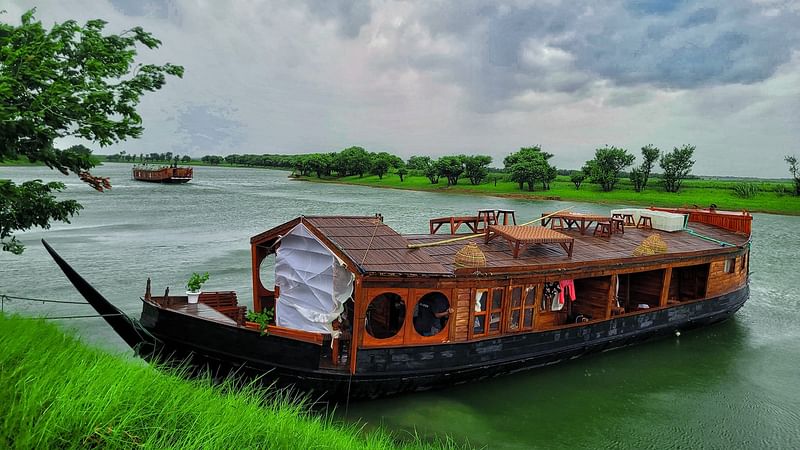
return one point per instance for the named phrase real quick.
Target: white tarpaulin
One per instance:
(313, 282)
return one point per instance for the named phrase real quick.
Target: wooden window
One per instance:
(496, 310)
(528, 307)
(515, 309)
(479, 322)
(730, 265)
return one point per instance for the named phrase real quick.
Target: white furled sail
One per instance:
(314, 283)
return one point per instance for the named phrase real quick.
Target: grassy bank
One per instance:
(21, 161)
(55, 392)
(771, 196)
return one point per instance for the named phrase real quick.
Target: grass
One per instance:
(770, 197)
(21, 161)
(56, 392)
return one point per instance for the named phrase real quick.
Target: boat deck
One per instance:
(587, 248)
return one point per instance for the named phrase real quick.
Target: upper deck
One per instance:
(587, 249)
(374, 248)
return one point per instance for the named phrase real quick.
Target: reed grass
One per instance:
(56, 392)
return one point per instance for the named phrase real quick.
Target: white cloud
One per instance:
(465, 77)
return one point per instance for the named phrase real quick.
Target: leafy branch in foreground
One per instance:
(68, 81)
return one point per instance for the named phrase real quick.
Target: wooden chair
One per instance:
(506, 213)
(603, 229)
(617, 225)
(645, 222)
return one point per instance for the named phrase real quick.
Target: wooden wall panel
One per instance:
(462, 306)
(721, 282)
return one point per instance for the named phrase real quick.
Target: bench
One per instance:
(520, 236)
(455, 222)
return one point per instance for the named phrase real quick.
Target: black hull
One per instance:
(225, 349)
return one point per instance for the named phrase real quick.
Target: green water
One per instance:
(736, 384)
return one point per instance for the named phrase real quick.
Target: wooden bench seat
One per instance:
(520, 236)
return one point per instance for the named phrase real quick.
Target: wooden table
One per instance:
(521, 235)
(455, 222)
(582, 221)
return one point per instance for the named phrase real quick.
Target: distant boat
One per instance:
(161, 174)
(362, 311)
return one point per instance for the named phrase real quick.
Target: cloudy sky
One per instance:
(433, 77)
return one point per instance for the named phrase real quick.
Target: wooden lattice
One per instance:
(470, 256)
(652, 245)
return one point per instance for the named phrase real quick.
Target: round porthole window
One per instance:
(266, 272)
(385, 315)
(431, 314)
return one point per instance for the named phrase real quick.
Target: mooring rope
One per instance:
(708, 238)
(88, 316)
(40, 300)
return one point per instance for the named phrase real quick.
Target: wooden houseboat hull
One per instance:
(172, 175)
(350, 295)
(223, 349)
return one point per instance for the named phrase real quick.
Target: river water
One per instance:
(736, 384)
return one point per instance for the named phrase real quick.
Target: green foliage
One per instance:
(380, 163)
(795, 171)
(31, 204)
(450, 167)
(530, 165)
(352, 161)
(431, 172)
(577, 178)
(650, 155)
(401, 172)
(56, 392)
(419, 163)
(745, 190)
(263, 319)
(214, 160)
(69, 81)
(606, 166)
(676, 165)
(196, 281)
(476, 167)
(637, 178)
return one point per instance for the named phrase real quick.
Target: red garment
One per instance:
(566, 284)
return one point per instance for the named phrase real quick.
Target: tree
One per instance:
(530, 165)
(451, 167)
(637, 178)
(419, 163)
(71, 81)
(401, 172)
(676, 165)
(476, 167)
(380, 166)
(650, 155)
(795, 171)
(577, 178)
(186, 159)
(351, 161)
(432, 172)
(604, 169)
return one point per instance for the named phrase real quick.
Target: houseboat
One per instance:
(162, 174)
(359, 310)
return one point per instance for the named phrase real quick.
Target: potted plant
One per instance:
(194, 284)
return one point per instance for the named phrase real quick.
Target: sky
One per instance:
(472, 77)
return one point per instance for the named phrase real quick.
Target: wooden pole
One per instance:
(471, 236)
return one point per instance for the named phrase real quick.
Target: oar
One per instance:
(461, 238)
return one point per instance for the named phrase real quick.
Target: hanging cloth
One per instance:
(566, 285)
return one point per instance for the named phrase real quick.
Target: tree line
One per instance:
(529, 167)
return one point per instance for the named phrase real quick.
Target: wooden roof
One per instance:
(375, 248)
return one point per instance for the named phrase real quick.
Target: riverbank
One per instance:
(772, 197)
(56, 392)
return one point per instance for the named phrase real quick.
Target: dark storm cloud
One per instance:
(666, 44)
